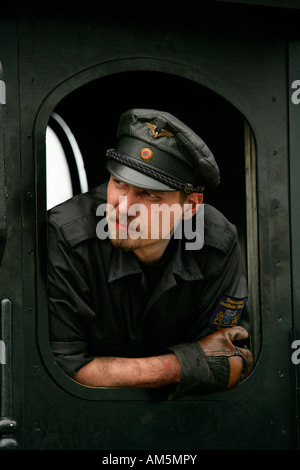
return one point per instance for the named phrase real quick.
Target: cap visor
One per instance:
(135, 178)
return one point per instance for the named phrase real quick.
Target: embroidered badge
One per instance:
(146, 154)
(227, 312)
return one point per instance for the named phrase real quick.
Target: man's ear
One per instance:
(191, 205)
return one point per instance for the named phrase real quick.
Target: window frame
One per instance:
(45, 111)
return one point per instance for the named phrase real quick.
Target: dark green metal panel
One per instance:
(2, 166)
(11, 264)
(247, 67)
(294, 129)
(106, 50)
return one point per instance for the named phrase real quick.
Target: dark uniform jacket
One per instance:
(103, 302)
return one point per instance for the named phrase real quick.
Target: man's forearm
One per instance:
(149, 372)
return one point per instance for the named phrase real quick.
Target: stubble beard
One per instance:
(125, 244)
(118, 241)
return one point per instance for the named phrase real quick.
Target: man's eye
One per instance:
(151, 195)
(119, 183)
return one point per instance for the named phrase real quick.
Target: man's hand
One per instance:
(214, 364)
(221, 344)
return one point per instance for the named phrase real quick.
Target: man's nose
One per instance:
(125, 201)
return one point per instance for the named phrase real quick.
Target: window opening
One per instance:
(66, 175)
(219, 122)
(59, 183)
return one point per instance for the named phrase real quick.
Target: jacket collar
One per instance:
(180, 262)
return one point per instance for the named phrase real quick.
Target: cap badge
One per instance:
(146, 154)
(163, 132)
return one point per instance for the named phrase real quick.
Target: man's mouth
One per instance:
(121, 226)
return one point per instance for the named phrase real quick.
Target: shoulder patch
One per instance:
(227, 312)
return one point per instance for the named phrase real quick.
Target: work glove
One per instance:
(213, 363)
(220, 344)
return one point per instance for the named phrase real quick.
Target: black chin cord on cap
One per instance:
(171, 182)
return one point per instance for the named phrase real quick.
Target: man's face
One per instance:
(140, 218)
